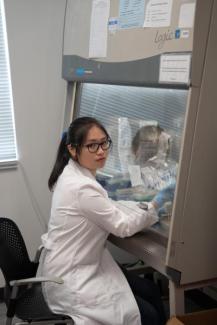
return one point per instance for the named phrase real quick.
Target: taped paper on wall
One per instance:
(98, 28)
(175, 68)
(186, 15)
(131, 13)
(158, 13)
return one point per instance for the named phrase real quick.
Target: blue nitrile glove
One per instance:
(165, 195)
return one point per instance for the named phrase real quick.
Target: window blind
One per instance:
(8, 150)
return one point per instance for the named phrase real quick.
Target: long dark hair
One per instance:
(75, 136)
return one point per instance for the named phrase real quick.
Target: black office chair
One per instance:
(23, 291)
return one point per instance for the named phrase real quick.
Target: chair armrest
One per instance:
(35, 280)
(38, 254)
(27, 282)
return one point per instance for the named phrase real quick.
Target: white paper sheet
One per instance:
(158, 13)
(175, 68)
(99, 28)
(135, 175)
(131, 13)
(186, 15)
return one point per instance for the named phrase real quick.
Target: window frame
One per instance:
(6, 162)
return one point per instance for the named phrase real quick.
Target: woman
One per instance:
(95, 291)
(151, 146)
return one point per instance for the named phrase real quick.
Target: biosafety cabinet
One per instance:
(147, 69)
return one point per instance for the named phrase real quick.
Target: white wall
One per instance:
(35, 31)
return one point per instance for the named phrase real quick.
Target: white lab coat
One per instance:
(95, 291)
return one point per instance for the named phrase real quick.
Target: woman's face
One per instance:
(88, 159)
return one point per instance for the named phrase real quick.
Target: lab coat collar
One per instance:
(79, 169)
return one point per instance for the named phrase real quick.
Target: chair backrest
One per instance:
(15, 264)
(14, 259)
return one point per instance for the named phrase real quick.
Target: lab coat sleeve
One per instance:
(121, 218)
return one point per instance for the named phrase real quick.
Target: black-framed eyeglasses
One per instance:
(94, 147)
